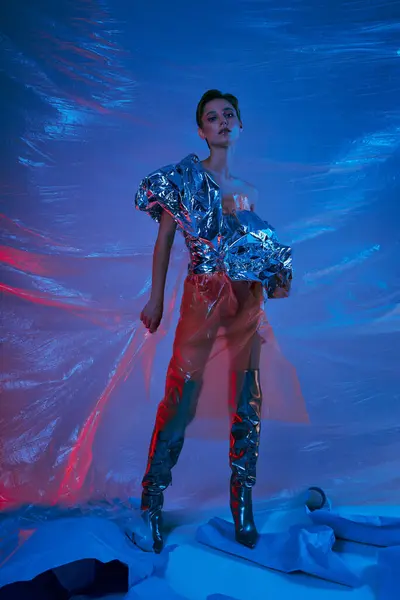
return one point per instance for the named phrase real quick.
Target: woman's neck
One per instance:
(219, 162)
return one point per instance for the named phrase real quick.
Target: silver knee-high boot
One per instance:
(244, 444)
(174, 414)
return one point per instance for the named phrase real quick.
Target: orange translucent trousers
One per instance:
(222, 331)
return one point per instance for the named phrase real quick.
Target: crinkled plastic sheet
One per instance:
(92, 101)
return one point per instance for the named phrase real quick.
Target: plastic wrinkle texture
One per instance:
(317, 547)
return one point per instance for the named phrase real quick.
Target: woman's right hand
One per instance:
(151, 315)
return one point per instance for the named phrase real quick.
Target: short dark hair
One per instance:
(215, 95)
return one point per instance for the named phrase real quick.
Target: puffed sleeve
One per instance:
(161, 190)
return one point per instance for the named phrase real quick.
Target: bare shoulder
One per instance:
(250, 191)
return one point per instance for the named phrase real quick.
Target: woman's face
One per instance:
(220, 123)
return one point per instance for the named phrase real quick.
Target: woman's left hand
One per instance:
(282, 290)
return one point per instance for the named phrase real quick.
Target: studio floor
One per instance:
(195, 564)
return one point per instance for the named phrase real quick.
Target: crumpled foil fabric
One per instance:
(243, 245)
(192, 198)
(254, 253)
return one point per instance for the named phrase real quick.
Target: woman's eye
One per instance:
(230, 115)
(211, 119)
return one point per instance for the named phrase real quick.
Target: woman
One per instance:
(233, 256)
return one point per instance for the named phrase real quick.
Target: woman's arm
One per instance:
(152, 313)
(161, 256)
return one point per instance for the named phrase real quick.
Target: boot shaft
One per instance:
(246, 426)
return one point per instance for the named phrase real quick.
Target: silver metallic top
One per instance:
(242, 244)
